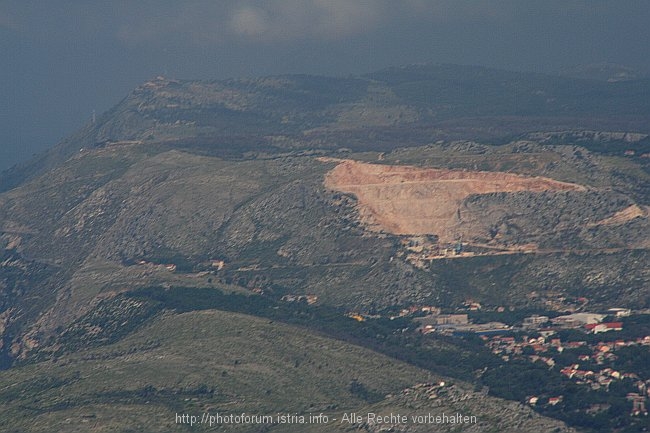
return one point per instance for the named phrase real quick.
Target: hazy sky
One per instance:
(59, 60)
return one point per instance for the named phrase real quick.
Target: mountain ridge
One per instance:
(235, 96)
(222, 190)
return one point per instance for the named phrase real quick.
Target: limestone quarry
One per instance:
(409, 200)
(625, 215)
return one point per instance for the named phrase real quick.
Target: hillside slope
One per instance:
(219, 362)
(355, 195)
(112, 219)
(405, 106)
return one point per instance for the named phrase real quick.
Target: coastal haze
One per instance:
(325, 216)
(64, 60)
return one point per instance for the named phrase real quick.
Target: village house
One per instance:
(576, 320)
(534, 321)
(619, 312)
(596, 328)
(443, 319)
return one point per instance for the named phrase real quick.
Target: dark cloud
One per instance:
(62, 59)
(288, 21)
(283, 21)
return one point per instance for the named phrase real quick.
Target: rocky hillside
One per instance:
(406, 200)
(396, 107)
(359, 194)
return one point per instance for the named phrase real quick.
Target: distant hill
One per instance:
(418, 185)
(396, 107)
(610, 72)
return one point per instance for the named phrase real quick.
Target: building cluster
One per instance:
(454, 324)
(541, 349)
(588, 322)
(593, 364)
(432, 310)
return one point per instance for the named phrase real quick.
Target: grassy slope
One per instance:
(192, 362)
(229, 363)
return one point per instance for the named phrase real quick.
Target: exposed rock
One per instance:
(408, 200)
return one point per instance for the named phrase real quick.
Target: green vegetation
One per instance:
(464, 359)
(96, 329)
(192, 361)
(476, 91)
